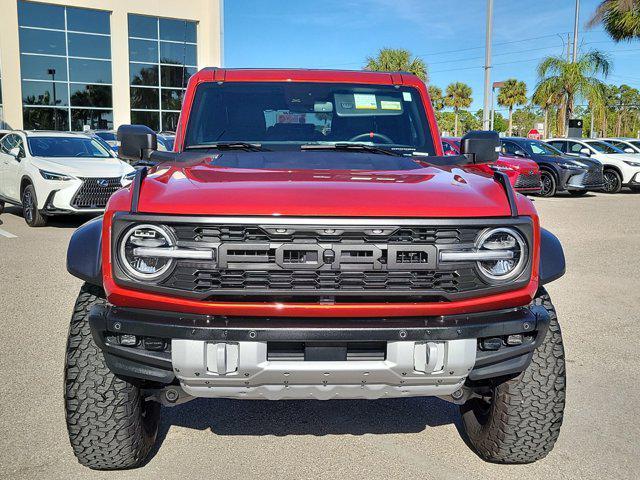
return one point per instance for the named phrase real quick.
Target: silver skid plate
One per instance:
(241, 370)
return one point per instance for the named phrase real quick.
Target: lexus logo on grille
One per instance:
(102, 182)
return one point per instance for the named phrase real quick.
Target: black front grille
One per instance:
(95, 192)
(197, 279)
(528, 181)
(242, 233)
(593, 177)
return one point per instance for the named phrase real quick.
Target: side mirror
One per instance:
(480, 146)
(520, 153)
(15, 153)
(586, 152)
(137, 142)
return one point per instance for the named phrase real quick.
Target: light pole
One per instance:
(575, 31)
(486, 120)
(52, 72)
(493, 92)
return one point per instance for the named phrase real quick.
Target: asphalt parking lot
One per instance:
(598, 304)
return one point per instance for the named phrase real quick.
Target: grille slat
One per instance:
(528, 181)
(93, 195)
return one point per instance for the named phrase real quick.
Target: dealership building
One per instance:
(98, 64)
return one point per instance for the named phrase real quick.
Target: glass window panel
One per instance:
(40, 15)
(44, 93)
(93, 119)
(176, 76)
(171, 99)
(86, 45)
(42, 41)
(89, 71)
(147, 98)
(150, 119)
(83, 95)
(143, 51)
(87, 20)
(177, 53)
(143, 74)
(170, 121)
(177, 30)
(45, 118)
(37, 67)
(143, 26)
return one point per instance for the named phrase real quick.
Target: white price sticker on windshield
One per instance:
(365, 101)
(406, 96)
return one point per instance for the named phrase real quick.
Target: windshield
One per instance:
(541, 148)
(67, 147)
(287, 115)
(108, 136)
(167, 142)
(604, 147)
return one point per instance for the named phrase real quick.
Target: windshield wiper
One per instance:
(363, 147)
(250, 147)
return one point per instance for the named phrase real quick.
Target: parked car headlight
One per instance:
(632, 164)
(571, 166)
(135, 247)
(502, 240)
(54, 176)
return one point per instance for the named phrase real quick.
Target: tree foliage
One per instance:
(620, 18)
(513, 92)
(397, 60)
(458, 96)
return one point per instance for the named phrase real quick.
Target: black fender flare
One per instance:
(84, 258)
(552, 262)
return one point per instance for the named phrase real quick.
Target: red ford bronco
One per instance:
(308, 239)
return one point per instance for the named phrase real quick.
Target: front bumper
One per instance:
(229, 356)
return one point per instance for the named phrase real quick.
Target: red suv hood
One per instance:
(202, 189)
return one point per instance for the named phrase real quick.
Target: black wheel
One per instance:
(549, 184)
(30, 211)
(612, 181)
(577, 193)
(110, 425)
(518, 421)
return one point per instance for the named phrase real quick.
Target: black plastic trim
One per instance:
(503, 180)
(135, 189)
(84, 255)
(171, 325)
(552, 261)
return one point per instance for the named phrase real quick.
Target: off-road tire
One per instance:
(522, 422)
(549, 184)
(110, 425)
(30, 212)
(613, 181)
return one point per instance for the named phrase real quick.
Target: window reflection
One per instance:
(163, 54)
(55, 69)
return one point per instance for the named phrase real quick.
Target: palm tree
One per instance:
(567, 80)
(545, 99)
(620, 18)
(458, 96)
(397, 60)
(512, 93)
(437, 99)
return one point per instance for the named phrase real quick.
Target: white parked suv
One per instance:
(621, 169)
(51, 173)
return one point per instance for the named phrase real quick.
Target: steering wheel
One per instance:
(369, 136)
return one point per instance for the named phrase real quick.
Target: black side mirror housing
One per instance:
(137, 142)
(480, 146)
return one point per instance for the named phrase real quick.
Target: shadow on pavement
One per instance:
(61, 221)
(308, 417)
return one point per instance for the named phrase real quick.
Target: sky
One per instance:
(448, 35)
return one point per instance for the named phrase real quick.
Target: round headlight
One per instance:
(502, 240)
(145, 267)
